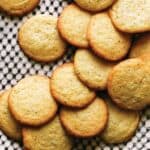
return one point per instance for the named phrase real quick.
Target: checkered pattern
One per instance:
(14, 65)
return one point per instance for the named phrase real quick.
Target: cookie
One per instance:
(95, 74)
(129, 84)
(48, 137)
(146, 60)
(18, 7)
(39, 39)
(94, 5)
(7, 123)
(67, 89)
(121, 125)
(86, 122)
(73, 27)
(131, 16)
(141, 46)
(106, 41)
(30, 101)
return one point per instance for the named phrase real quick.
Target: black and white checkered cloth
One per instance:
(14, 65)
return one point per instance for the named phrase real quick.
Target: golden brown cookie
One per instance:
(146, 60)
(129, 84)
(39, 39)
(106, 41)
(86, 122)
(18, 7)
(121, 125)
(30, 101)
(7, 123)
(141, 46)
(72, 25)
(67, 88)
(91, 70)
(131, 16)
(94, 5)
(48, 137)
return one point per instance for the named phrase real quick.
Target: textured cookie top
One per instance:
(49, 137)
(7, 123)
(105, 40)
(141, 46)
(40, 40)
(72, 25)
(121, 125)
(94, 5)
(129, 84)
(95, 74)
(131, 15)
(86, 122)
(18, 7)
(30, 101)
(67, 89)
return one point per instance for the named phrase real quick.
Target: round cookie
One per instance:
(106, 41)
(86, 122)
(94, 5)
(48, 137)
(18, 7)
(141, 46)
(67, 88)
(121, 125)
(39, 39)
(129, 84)
(30, 101)
(95, 74)
(73, 27)
(7, 123)
(131, 16)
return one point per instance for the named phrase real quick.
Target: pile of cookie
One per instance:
(46, 112)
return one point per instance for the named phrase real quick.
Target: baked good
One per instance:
(94, 5)
(131, 16)
(39, 39)
(106, 41)
(129, 84)
(7, 123)
(30, 101)
(86, 122)
(18, 7)
(91, 70)
(67, 89)
(73, 27)
(48, 137)
(121, 125)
